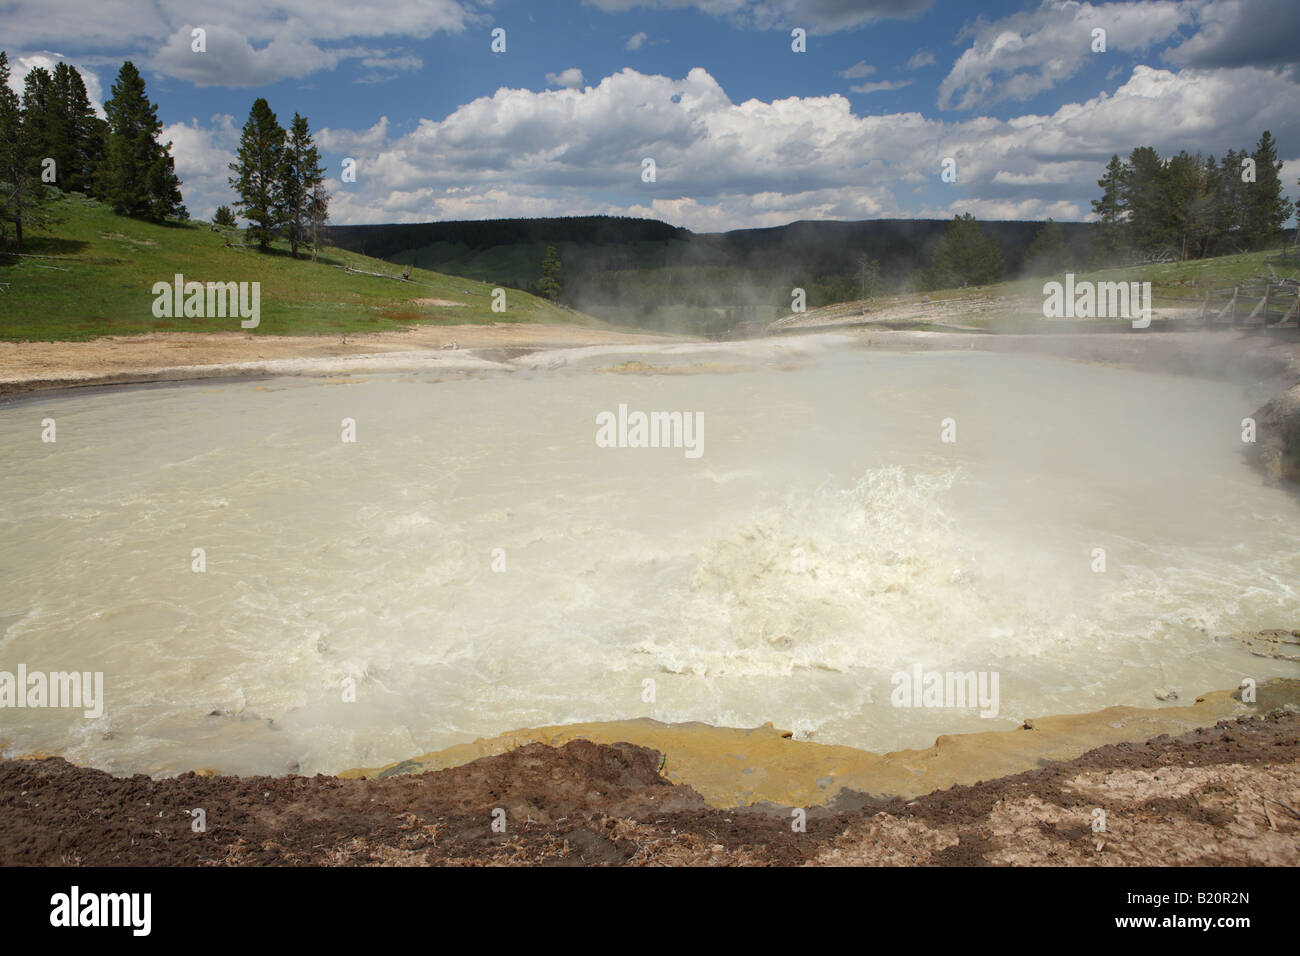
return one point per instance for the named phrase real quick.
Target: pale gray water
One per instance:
(825, 539)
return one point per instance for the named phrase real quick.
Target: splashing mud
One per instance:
(475, 563)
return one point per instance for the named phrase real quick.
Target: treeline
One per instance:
(280, 182)
(963, 254)
(1189, 206)
(1185, 207)
(52, 137)
(385, 241)
(824, 257)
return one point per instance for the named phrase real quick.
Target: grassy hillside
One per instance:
(103, 269)
(1176, 288)
(1174, 282)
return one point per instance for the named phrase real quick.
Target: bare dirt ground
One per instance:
(971, 311)
(1222, 795)
(26, 366)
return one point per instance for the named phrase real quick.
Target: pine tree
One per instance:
(224, 217)
(963, 256)
(318, 214)
(300, 173)
(1110, 231)
(870, 276)
(1146, 198)
(257, 170)
(20, 191)
(1188, 199)
(41, 128)
(1264, 206)
(1214, 212)
(550, 281)
(1047, 253)
(164, 189)
(84, 132)
(139, 175)
(1229, 205)
(62, 126)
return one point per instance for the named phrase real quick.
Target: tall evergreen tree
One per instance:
(139, 174)
(41, 128)
(1151, 222)
(1109, 232)
(20, 191)
(1229, 205)
(1214, 219)
(318, 214)
(550, 281)
(1047, 253)
(300, 173)
(1264, 206)
(62, 126)
(1188, 200)
(258, 171)
(85, 134)
(963, 256)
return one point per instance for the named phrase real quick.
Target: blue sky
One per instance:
(744, 131)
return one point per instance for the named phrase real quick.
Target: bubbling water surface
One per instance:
(474, 563)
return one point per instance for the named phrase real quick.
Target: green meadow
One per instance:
(91, 273)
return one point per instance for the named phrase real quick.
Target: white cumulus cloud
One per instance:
(723, 164)
(570, 79)
(1029, 52)
(20, 64)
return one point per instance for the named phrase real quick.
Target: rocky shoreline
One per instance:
(731, 767)
(1225, 795)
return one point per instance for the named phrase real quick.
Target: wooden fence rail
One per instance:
(1281, 299)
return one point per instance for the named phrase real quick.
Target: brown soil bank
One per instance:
(731, 767)
(179, 356)
(1224, 795)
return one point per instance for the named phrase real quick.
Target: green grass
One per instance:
(101, 284)
(1172, 283)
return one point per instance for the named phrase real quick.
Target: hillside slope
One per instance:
(92, 273)
(1178, 290)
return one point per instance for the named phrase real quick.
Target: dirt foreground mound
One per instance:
(1223, 795)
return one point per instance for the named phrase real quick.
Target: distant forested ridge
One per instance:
(650, 274)
(599, 243)
(387, 241)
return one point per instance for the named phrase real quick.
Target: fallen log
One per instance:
(377, 275)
